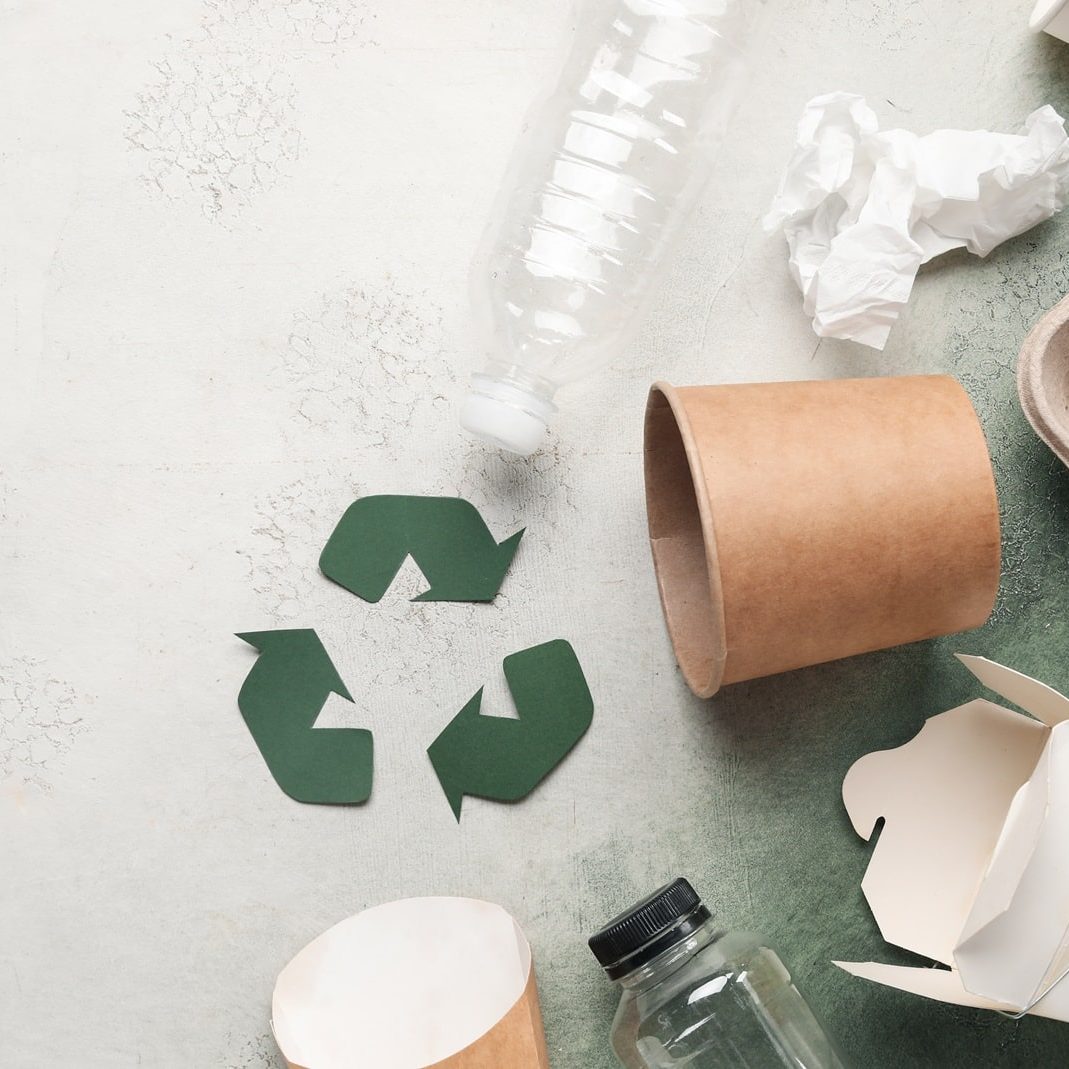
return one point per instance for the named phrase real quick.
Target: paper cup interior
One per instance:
(1044, 13)
(1054, 379)
(683, 543)
(1043, 379)
(401, 986)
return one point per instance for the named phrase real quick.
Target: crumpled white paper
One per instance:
(862, 210)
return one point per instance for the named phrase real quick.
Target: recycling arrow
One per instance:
(445, 536)
(505, 759)
(281, 698)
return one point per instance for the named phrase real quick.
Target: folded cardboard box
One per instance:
(972, 866)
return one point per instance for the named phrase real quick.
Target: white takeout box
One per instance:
(972, 866)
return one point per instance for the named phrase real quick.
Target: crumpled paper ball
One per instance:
(862, 210)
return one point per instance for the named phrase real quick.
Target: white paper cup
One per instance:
(1051, 16)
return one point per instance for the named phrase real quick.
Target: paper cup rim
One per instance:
(704, 677)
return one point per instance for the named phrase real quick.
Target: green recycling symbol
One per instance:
(483, 756)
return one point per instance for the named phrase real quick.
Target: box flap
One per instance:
(1043, 702)
(944, 985)
(1013, 945)
(944, 796)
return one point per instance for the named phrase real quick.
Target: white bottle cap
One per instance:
(506, 415)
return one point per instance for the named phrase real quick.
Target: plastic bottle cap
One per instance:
(506, 416)
(649, 927)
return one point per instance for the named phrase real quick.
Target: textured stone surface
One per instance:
(233, 253)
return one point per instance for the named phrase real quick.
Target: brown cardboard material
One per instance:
(422, 983)
(794, 523)
(518, 1039)
(1043, 379)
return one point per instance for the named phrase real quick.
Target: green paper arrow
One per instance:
(281, 698)
(505, 759)
(445, 536)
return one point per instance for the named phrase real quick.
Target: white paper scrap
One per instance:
(862, 210)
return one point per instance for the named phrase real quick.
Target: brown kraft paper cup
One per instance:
(517, 1041)
(799, 522)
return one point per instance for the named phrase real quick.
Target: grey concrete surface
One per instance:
(233, 255)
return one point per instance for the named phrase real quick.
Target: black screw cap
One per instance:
(667, 916)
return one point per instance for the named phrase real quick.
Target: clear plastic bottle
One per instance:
(595, 194)
(697, 997)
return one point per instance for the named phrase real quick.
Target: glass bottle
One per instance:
(596, 192)
(698, 997)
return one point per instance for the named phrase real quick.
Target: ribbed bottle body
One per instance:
(597, 190)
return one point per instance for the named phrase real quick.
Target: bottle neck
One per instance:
(521, 379)
(672, 958)
(508, 411)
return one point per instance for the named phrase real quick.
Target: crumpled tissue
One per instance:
(862, 210)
